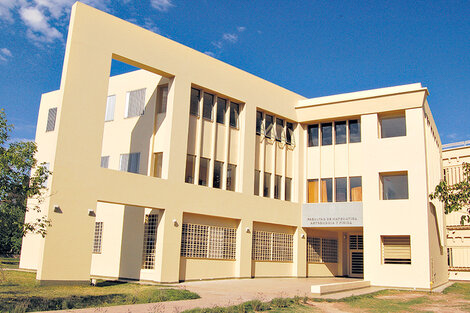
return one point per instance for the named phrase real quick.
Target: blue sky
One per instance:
(314, 48)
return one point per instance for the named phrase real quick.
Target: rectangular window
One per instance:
(150, 241)
(231, 176)
(190, 162)
(354, 131)
(326, 134)
(203, 171)
(394, 185)
(268, 120)
(130, 162)
(47, 167)
(217, 180)
(105, 161)
(340, 132)
(322, 250)
(162, 99)
(158, 159)
(270, 246)
(110, 105)
(288, 190)
(51, 117)
(279, 128)
(289, 133)
(194, 104)
(267, 185)
(277, 186)
(313, 135)
(207, 106)
(257, 179)
(355, 188)
(135, 103)
(221, 108)
(313, 250)
(234, 113)
(394, 126)
(396, 250)
(327, 190)
(259, 122)
(98, 237)
(208, 242)
(341, 189)
(312, 191)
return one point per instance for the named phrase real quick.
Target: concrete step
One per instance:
(338, 287)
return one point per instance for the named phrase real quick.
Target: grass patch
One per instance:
(9, 262)
(462, 289)
(20, 292)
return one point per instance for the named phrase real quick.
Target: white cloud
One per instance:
(38, 24)
(230, 37)
(241, 29)
(5, 54)
(5, 9)
(150, 25)
(162, 5)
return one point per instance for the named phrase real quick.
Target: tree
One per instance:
(455, 197)
(21, 178)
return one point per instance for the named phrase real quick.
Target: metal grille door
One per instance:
(356, 256)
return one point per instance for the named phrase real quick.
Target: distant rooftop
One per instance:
(455, 145)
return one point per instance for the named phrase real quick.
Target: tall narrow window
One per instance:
(396, 250)
(259, 122)
(257, 179)
(326, 190)
(268, 120)
(313, 135)
(150, 241)
(394, 126)
(341, 189)
(354, 131)
(98, 237)
(289, 133)
(234, 113)
(162, 99)
(203, 171)
(158, 159)
(135, 103)
(288, 190)
(277, 186)
(130, 162)
(340, 132)
(105, 161)
(326, 134)
(312, 191)
(355, 188)
(394, 185)
(217, 180)
(51, 117)
(267, 185)
(194, 104)
(190, 162)
(208, 106)
(110, 105)
(231, 176)
(221, 108)
(279, 128)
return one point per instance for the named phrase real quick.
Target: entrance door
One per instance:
(356, 256)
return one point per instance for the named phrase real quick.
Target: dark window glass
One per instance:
(277, 186)
(289, 132)
(288, 189)
(195, 97)
(269, 120)
(326, 134)
(326, 190)
(312, 135)
(190, 161)
(234, 113)
(203, 171)
(221, 108)
(267, 185)
(208, 106)
(257, 178)
(340, 132)
(231, 176)
(354, 131)
(393, 126)
(394, 186)
(279, 128)
(341, 190)
(355, 188)
(259, 122)
(217, 182)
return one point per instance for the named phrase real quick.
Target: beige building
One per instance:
(193, 169)
(458, 236)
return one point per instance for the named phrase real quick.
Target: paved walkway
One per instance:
(235, 291)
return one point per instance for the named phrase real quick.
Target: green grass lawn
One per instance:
(9, 262)
(20, 292)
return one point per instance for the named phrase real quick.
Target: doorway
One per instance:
(356, 255)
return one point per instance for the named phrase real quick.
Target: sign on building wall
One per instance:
(347, 214)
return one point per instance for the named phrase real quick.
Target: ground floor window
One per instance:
(270, 246)
(98, 237)
(150, 241)
(396, 250)
(322, 250)
(208, 242)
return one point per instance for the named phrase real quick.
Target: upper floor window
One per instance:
(259, 122)
(396, 249)
(190, 163)
(279, 128)
(324, 192)
(326, 134)
(341, 189)
(394, 185)
(392, 126)
(217, 177)
(135, 103)
(289, 132)
(288, 189)
(221, 108)
(234, 113)
(340, 132)
(105, 161)
(51, 117)
(269, 120)
(203, 171)
(354, 131)
(162, 99)
(110, 105)
(208, 106)
(313, 135)
(355, 188)
(194, 104)
(231, 176)
(129, 162)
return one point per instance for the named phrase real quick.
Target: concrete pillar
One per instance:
(244, 246)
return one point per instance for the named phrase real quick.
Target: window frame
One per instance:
(383, 175)
(391, 116)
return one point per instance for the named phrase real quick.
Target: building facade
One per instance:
(192, 169)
